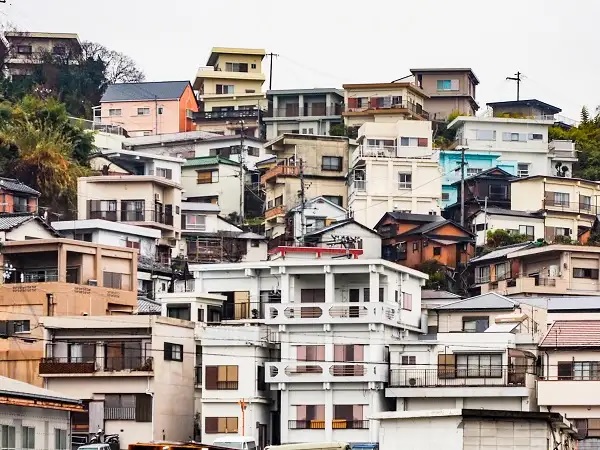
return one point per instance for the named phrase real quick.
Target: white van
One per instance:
(237, 442)
(311, 446)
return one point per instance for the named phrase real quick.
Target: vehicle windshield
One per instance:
(238, 445)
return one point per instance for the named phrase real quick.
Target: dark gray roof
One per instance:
(510, 212)
(573, 304)
(339, 224)
(490, 300)
(534, 103)
(500, 252)
(10, 184)
(10, 221)
(147, 306)
(154, 90)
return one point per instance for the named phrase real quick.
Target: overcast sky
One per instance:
(325, 43)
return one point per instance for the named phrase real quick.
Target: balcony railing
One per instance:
(321, 372)
(410, 107)
(120, 413)
(212, 116)
(306, 424)
(280, 170)
(454, 376)
(274, 212)
(343, 424)
(227, 385)
(64, 365)
(133, 216)
(310, 111)
(245, 310)
(576, 207)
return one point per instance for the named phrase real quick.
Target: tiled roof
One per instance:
(147, 306)
(16, 388)
(512, 212)
(490, 300)
(10, 221)
(156, 90)
(10, 184)
(500, 252)
(572, 333)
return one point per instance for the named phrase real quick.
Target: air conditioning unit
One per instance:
(157, 197)
(92, 282)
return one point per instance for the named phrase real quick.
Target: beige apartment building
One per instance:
(449, 90)
(57, 277)
(27, 49)
(135, 374)
(570, 205)
(322, 161)
(536, 270)
(229, 90)
(383, 102)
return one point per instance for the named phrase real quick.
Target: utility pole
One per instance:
(462, 187)
(302, 200)
(518, 79)
(242, 184)
(271, 56)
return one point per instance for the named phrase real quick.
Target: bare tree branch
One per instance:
(120, 68)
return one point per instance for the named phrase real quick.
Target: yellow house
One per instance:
(570, 205)
(230, 90)
(383, 102)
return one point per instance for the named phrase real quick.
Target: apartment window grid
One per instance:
(114, 112)
(195, 222)
(173, 352)
(579, 370)
(7, 437)
(60, 439)
(479, 366)
(522, 170)
(207, 176)
(485, 135)
(448, 85)
(333, 163)
(218, 425)
(143, 111)
(225, 88)
(514, 137)
(408, 360)
(222, 377)
(472, 171)
(28, 437)
(404, 180)
(413, 142)
(585, 202)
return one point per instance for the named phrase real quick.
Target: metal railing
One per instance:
(119, 413)
(275, 211)
(133, 216)
(227, 385)
(279, 170)
(245, 310)
(343, 424)
(456, 376)
(306, 424)
(411, 107)
(58, 365)
(579, 207)
(311, 111)
(98, 126)
(208, 116)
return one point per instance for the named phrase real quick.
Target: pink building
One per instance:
(149, 108)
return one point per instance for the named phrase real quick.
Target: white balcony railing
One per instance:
(325, 372)
(299, 313)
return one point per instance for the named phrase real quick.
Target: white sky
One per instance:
(325, 43)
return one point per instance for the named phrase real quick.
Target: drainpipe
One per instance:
(151, 394)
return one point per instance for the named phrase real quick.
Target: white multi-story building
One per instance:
(335, 318)
(394, 169)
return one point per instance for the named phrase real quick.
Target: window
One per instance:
(475, 324)
(559, 199)
(164, 173)
(112, 280)
(24, 49)
(528, 231)
(173, 352)
(407, 301)
(415, 246)
(310, 353)
(445, 196)
(132, 243)
(309, 417)
(60, 439)
(404, 180)
(514, 137)
(312, 295)
(112, 112)
(349, 353)
(479, 366)
(523, 170)
(207, 176)
(381, 295)
(498, 191)
(147, 133)
(335, 199)
(179, 312)
(7, 437)
(580, 370)
(143, 111)
(224, 88)
(253, 66)
(195, 222)
(278, 201)
(437, 251)
(161, 109)
(502, 271)
(585, 202)
(472, 171)
(408, 360)
(480, 227)
(332, 163)
(28, 437)
(59, 50)
(448, 85)
(221, 378)
(22, 326)
(591, 274)
(236, 67)
(482, 274)
(536, 136)
(485, 135)
(216, 425)
(413, 142)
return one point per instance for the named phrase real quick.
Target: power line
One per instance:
(518, 79)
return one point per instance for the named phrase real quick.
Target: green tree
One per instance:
(585, 115)
(500, 238)
(437, 274)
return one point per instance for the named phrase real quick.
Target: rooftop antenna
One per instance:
(518, 79)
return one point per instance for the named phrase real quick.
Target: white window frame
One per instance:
(195, 225)
(143, 111)
(472, 171)
(485, 135)
(8, 437)
(114, 112)
(514, 137)
(522, 172)
(482, 274)
(404, 183)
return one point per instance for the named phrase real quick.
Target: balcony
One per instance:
(221, 116)
(279, 171)
(572, 207)
(242, 311)
(315, 110)
(139, 216)
(331, 313)
(306, 424)
(274, 212)
(388, 107)
(325, 372)
(535, 285)
(107, 366)
(342, 424)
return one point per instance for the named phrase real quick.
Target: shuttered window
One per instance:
(215, 425)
